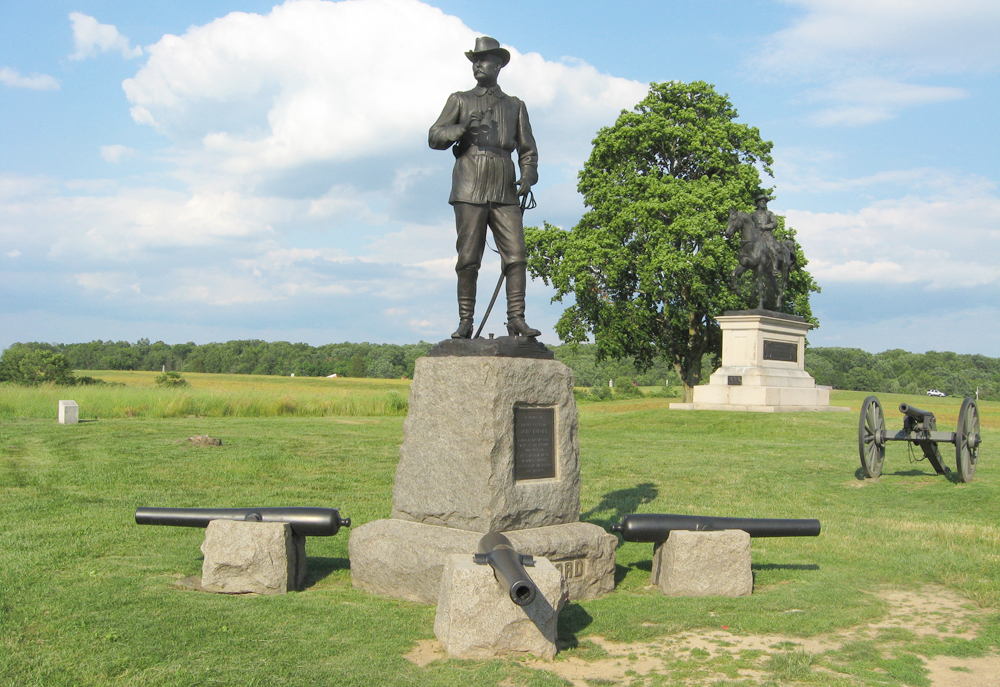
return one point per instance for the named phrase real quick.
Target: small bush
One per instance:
(627, 391)
(600, 393)
(171, 380)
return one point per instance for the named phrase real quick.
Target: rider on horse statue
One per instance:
(760, 251)
(766, 222)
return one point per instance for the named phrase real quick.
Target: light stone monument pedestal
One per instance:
(763, 367)
(489, 444)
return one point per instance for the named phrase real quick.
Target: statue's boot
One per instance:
(466, 303)
(517, 279)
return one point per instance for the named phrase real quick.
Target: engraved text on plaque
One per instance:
(781, 350)
(534, 443)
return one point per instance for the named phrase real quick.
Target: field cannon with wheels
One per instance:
(920, 428)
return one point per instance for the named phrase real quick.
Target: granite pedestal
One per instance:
(489, 444)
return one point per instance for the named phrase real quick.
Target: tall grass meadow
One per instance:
(136, 395)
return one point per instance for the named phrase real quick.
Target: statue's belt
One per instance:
(488, 151)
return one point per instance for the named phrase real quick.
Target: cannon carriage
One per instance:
(920, 428)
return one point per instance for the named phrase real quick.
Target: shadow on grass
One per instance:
(784, 566)
(320, 568)
(617, 504)
(914, 473)
(573, 619)
(859, 474)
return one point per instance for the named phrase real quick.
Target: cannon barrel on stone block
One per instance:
(655, 528)
(496, 551)
(305, 522)
(914, 412)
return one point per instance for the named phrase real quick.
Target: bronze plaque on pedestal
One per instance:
(534, 443)
(781, 350)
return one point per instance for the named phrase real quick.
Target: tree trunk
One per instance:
(690, 375)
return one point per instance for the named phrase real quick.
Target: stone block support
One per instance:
(476, 618)
(258, 557)
(704, 564)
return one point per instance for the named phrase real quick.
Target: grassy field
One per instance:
(89, 598)
(136, 395)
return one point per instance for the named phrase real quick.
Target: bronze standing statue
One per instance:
(483, 127)
(769, 258)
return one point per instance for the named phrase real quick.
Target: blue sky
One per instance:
(205, 171)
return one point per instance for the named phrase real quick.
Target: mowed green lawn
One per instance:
(87, 597)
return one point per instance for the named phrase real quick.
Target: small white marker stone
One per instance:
(69, 413)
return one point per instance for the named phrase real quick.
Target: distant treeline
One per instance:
(898, 371)
(894, 371)
(387, 361)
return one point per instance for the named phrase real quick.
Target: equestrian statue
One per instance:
(771, 260)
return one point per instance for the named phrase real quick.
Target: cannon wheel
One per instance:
(967, 440)
(871, 437)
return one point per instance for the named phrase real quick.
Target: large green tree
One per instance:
(647, 265)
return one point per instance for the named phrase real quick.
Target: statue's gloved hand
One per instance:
(523, 187)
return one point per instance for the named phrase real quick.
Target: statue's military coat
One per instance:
(484, 172)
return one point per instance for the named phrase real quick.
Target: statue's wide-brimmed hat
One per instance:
(763, 194)
(488, 46)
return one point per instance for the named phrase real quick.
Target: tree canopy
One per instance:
(648, 266)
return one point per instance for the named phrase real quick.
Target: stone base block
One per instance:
(476, 618)
(69, 413)
(704, 564)
(258, 557)
(406, 560)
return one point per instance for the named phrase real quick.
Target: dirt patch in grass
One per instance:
(703, 658)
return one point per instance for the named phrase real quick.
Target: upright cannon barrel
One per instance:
(654, 528)
(305, 521)
(508, 567)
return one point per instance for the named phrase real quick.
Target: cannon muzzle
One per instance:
(655, 528)
(914, 412)
(508, 567)
(305, 522)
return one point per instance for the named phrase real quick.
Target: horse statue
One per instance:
(759, 251)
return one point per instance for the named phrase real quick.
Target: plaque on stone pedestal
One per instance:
(534, 443)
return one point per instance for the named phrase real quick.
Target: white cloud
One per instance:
(867, 54)
(317, 80)
(947, 239)
(868, 100)
(115, 153)
(111, 282)
(91, 38)
(35, 82)
(132, 223)
(914, 37)
(14, 253)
